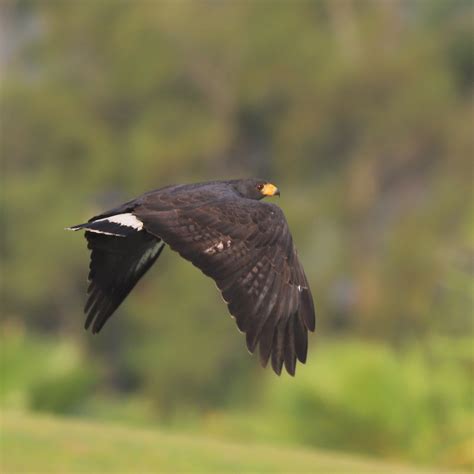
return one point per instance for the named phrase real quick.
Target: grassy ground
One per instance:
(34, 444)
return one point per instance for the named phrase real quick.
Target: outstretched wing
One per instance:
(116, 265)
(247, 248)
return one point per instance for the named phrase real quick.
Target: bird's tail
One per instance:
(121, 225)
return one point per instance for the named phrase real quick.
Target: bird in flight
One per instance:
(224, 229)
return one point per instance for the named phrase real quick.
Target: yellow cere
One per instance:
(270, 190)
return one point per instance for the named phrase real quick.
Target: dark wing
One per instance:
(247, 248)
(116, 265)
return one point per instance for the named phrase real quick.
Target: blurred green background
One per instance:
(360, 111)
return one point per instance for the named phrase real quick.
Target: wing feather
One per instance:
(290, 350)
(116, 266)
(247, 248)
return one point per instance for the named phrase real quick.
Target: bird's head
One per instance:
(255, 188)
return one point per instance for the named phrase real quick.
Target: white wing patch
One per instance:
(127, 220)
(218, 247)
(111, 225)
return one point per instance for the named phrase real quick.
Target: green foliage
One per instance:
(56, 445)
(43, 374)
(361, 112)
(414, 403)
(360, 115)
(367, 398)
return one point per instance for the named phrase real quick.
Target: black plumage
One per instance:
(224, 229)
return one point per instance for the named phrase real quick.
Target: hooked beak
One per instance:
(270, 190)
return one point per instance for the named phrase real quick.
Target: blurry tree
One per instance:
(360, 111)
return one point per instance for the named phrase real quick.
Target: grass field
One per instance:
(35, 444)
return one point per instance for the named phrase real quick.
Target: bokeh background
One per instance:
(361, 112)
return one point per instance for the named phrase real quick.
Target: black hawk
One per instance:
(224, 229)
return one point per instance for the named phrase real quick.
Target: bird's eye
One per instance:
(260, 186)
